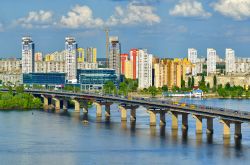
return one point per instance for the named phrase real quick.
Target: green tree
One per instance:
(208, 85)
(192, 84)
(152, 90)
(189, 82)
(175, 89)
(20, 89)
(164, 88)
(228, 86)
(123, 89)
(215, 81)
(109, 87)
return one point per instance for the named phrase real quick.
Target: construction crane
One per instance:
(107, 30)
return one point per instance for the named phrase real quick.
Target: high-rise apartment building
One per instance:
(211, 61)
(114, 54)
(192, 55)
(134, 59)
(144, 69)
(230, 61)
(124, 59)
(28, 53)
(71, 59)
(91, 54)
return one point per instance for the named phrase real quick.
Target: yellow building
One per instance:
(94, 55)
(170, 72)
(129, 69)
(80, 55)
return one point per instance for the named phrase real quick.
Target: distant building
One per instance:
(81, 55)
(28, 53)
(230, 61)
(192, 55)
(134, 54)
(10, 66)
(50, 79)
(114, 56)
(145, 69)
(211, 61)
(71, 59)
(94, 79)
(91, 54)
(124, 59)
(38, 56)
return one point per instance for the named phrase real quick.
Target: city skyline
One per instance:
(166, 28)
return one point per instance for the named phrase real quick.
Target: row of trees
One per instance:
(20, 100)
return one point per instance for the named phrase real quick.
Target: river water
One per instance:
(37, 137)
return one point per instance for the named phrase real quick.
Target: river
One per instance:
(37, 137)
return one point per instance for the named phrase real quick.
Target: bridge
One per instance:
(226, 117)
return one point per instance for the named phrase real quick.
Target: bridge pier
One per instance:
(198, 123)
(45, 102)
(174, 120)
(226, 129)
(123, 113)
(98, 109)
(57, 104)
(77, 105)
(184, 121)
(107, 111)
(237, 131)
(65, 104)
(152, 118)
(133, 114)
(210, 129)
(162, 118)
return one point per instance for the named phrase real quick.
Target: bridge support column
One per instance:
(45, 103)
(133, 114)
(152, 118)
(210, 129)
(57, 104)
(226, 129)
(123, 113)
(162, 118)
(198, 124)
(174, 120)
(237, 131)
(77, 105)
(184, 121)
(98, 110)
(107, 111)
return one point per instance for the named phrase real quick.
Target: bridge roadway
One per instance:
(199, 112)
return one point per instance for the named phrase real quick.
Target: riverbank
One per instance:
(20, 101)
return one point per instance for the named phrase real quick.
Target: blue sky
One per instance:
(167, 28)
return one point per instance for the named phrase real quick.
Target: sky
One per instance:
(167, 28)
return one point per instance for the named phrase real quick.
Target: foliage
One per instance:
(152, 90)
(231, 91)
(109, 87)
(164, 88)
(19, 101)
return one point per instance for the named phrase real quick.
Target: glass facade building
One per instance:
(44, 78)
(94, 79)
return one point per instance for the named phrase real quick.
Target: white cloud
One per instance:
(189, 8)
(236, 9)
(35, 19)
(134, 14)
(81, 16)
